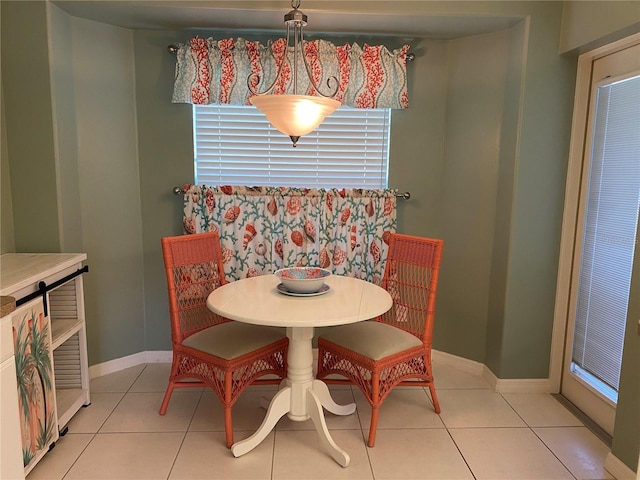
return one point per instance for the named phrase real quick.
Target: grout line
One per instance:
(64, 475)
(365, 435)
(461, 454)
(552, 452)
(175, 459)
(195, 410)
(590, 424)
(273, 451)
(531, 429)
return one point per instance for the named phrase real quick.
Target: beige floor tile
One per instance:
(448, 377)
(247, 412)
(56, 463)
(204, 455)
(90, 418)
(299, 455)
(123, 456)
(116, 382)
(134, 441)
(541, 410)
(476, 408)
(403, 408)
(507, 454)
(154, 378)
(417, 455)
(138, 412)
(578, 449)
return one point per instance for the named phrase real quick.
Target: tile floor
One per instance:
(480, 434)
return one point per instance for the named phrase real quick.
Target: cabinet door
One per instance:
(36, 383)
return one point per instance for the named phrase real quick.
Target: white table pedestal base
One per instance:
(302, 398)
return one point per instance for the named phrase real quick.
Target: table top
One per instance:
(256, 300)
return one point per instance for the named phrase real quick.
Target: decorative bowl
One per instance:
(302, 279)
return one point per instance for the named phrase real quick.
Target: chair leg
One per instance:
(375, 407)
(228, 426)
(374, 425)
(228, 394)
(167, 397)
(434, 397)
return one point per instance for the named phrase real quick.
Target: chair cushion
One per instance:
(233, 339)
(372, 339)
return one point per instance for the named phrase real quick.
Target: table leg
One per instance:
(279, 406)
(301, 398)
(322, 391)
(314, 409)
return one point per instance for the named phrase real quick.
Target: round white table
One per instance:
(256, 300)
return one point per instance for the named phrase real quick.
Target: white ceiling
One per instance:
(158, 15)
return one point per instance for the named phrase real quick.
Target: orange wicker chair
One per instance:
(395, 348)
(224, 355)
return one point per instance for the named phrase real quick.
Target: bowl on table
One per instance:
(302, 279)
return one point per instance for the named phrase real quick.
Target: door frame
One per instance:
(571, 203)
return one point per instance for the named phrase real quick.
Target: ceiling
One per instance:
(163, 15)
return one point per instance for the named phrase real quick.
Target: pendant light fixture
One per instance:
(294, 115)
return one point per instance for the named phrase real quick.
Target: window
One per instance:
(609, 236)
(236, 145)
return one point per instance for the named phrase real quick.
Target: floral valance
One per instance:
(265, 228)
(212, 71)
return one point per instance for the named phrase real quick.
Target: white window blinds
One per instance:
(236, 145)
(610, 233)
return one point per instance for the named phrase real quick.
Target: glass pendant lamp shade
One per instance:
(295, 115)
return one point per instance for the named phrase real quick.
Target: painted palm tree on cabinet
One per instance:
(32, 340)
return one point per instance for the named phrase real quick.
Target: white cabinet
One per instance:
(48, 289)
(11, 466)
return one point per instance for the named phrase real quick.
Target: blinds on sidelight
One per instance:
(611, 223)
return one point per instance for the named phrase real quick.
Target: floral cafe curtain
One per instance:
(216, 71)
(263, 229)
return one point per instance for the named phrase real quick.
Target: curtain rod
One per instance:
(403, 195)
(173, 49)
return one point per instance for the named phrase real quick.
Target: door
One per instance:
(605, 234)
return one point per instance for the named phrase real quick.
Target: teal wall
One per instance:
(94, 153)
(110, 190)
(589, 25)
(475, 90)
(511, 105)
(65, 122)
(26, 86)
(165, 150)
(538, 195)
(7, 238)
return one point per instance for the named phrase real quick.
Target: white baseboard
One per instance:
(618, 469)
(516, 385)
(464, 364)
(121, 363)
